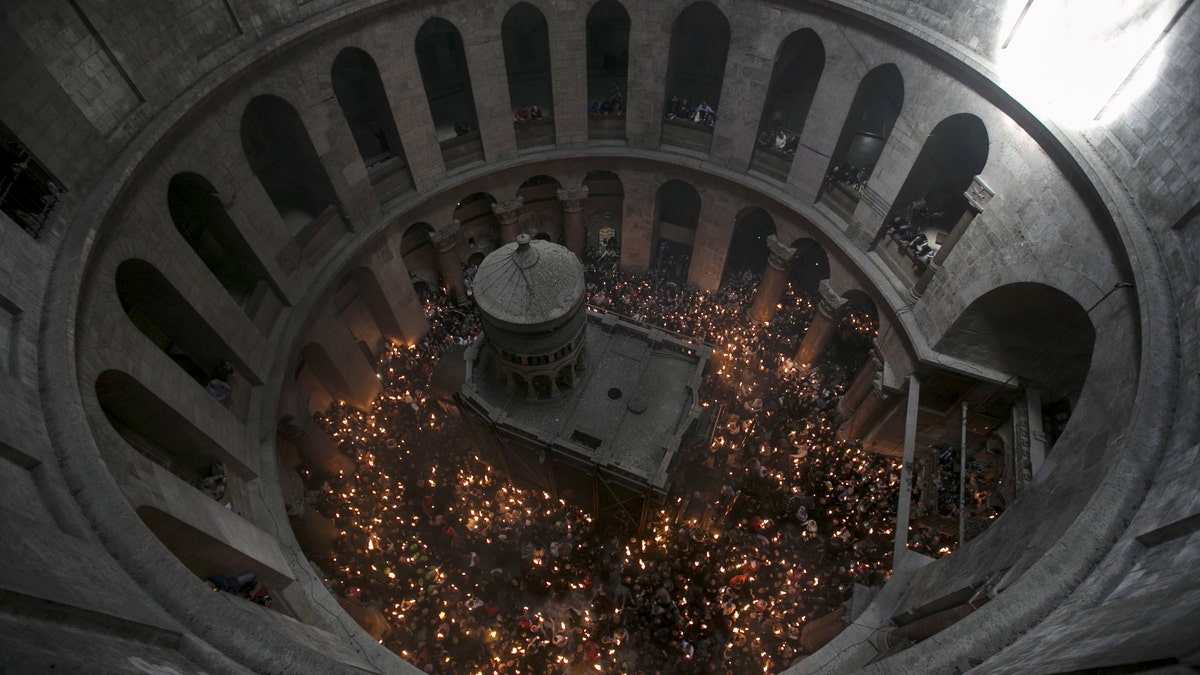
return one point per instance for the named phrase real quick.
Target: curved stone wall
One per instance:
(107, 411)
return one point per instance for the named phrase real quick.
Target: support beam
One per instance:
(509, 215)
(445, 242)
(571, 200)
(822, 327)
(906, 473)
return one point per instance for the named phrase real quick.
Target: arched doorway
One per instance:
(602, 212)
(526, 42)
(677, 216)
(810, 266)
(931, 199)
(540, 208)
(695, 74)
(794, 78)
(364, 102)
(747, 253)
(607, 69)
(205, 225)
(282, 156)
(877, 104)
(443, 63)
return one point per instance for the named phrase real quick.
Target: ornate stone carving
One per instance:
(508, 212)
(978, 194)
(445, 239)
(572, 198)
(830, 303)
(778, 255)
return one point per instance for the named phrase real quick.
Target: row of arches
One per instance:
(282, 156)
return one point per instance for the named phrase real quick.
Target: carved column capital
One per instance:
(831, 303)
(572, 198)
(778, 255)
(508, 212)
(445, 239)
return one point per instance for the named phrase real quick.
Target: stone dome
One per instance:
(529, 282)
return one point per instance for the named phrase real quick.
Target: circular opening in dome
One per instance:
(614, 393)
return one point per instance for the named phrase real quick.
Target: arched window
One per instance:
(748, 245)
(677, 216)
(877, 104)
(201, 218)
(443, 63)
(931, 199)
(794, 78)
(695, 73)
(282, 156)
(364, 103)
(526, 42)
(607, 69)
(603, 209)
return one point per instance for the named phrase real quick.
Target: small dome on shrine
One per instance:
(529, 282)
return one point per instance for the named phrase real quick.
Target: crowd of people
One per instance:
(770, 530)
(779, 140)
(909, 228)
(613, 105)
(853, 177)
(528, 113)
(678, 109)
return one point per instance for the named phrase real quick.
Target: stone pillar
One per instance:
(977, 196)
(863, 382)
(904, 508)
(774, 280)
(316, 448)
(571, 200)
(866, 414)
(445, 242)
(509, 215)
(821, 328)
(345, 371)
(315, 533)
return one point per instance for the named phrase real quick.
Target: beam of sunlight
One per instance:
(1068, 60)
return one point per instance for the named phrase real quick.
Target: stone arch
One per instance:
(480, 228)
(872, 116)
(931, 197)
(159, 432)
(364, 103)
(604, 207)
(676, 219)
(1034, 332)
(156, 308)
(205, 225)
(695, 73)
(442, 60)
(525, 37)
(810, 266)
(282, 156)
(608, 28)
(420, 259)
(748, 244)
(799, 62)
(540, 209)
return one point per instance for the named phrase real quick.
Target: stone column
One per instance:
(866, 414)
(904, 508)
(509, 215)
(774, 280)
(821, 328)
(316, 448)
(863, 382)
(571, 200)
(445, 242)
(977, 196)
